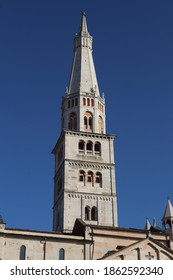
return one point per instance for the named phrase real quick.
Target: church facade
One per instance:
(85, 223)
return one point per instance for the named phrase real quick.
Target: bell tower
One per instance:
(84, 181)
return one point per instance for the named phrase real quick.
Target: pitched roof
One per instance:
(114, 253)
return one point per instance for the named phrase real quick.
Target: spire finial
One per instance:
(83, 25)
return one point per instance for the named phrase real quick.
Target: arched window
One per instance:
(89, 147)
(22, 255)
(88, 102)
(88, 121)
(94, 213)
(87, 213)
(61, 254)
(98, 178)
(82, 176)
(92, 102)
(90, 177)
(76, 101)
(81, 146)
(73, 121)
(72, 102)
(85, 122)
(97, 148)
(84, 101)
(100, 124)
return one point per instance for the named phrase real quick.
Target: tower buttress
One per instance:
(84, 181)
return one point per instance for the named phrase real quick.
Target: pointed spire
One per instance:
(83, 25)
(168, 210)
(147, 224)
(83, 78)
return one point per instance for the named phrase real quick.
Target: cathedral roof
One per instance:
(147, 242)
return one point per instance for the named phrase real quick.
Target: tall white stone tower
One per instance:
(84, 181)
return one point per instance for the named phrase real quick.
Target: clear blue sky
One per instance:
(133, 54)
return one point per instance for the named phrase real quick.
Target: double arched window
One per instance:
(91, 214)
(88, 121)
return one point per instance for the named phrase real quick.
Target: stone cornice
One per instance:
(90, 134)
(88, 164)
(95, 196)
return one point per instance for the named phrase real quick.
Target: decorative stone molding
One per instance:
(85, 165)
(90, 135)
(92, 197)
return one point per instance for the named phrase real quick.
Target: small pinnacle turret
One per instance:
(168, 214)
(147, 224)
(167, 220)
